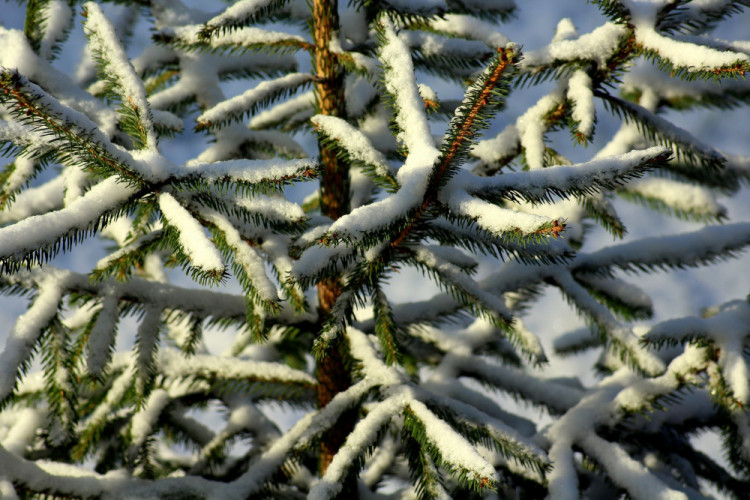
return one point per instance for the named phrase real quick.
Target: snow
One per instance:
(623, 337)
(626, 472)
(193, 240)
(22, 430)
(453, 447)
(579, 91)
(120, 231)
(165, 119)
(35, 201)
(681, 370)
(120, 385)
(22, 135)
(316, 258)
(250, 171)
(470, 27)
(527, 341)
(356, 445)
(245, 255)
(596, 46)
(427, 94)
(685, 249)
(269, 461)
(454, 346)
(536, 184)
(692, 56)
(626, 138)
(104, 41)
(299, 103)
(531, 128)
(735, 368)
(398, 68)
(236, 106)
(645, 76)
(102, 336)
(377, 465)
(432, 45)
(469, 414)
(354, 142)
(92, 114)
(58, 18)
(238, 12)
(624, 291)
(143, 422)
(453, 256)
(381, 213)
(376, 371)
(501, 146)
(273, 208)
(727, 328)
(232, 140)
(24, 169)
(7, 490)
(175, 364)
(565, 30)
(200, 76)
(204, 303)
(452, 275)
(376, 126)
(26, 333)
(542, 391)
(562, 479)
(364, 64)
(43, 230)
(490, 217)
(678, 195)
(242, 37)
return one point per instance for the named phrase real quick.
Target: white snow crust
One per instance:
(193, 240)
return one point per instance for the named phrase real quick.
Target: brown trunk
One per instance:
(331, 371)
(329, 90)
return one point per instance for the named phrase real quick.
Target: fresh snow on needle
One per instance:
(201, 251)
(354, 142)
(579, 91)
(104, 39)
(250, 98)
(42, 230)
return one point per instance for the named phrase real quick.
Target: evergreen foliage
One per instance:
(392, 396)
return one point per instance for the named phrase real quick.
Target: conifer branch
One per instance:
(241, 14)
(34, 23)
(248, 103)
(239, 41)
(385, 325)
(77, 139)
(562, 181)
(483, 97)
(123, 82)
(401, 394)
(662, 132)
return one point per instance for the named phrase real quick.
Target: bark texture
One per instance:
(332, 371)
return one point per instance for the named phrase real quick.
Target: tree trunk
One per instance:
(331, 371)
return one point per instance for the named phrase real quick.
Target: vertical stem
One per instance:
(331, 371)
(329, 93)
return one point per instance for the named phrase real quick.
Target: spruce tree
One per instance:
(395, 400)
